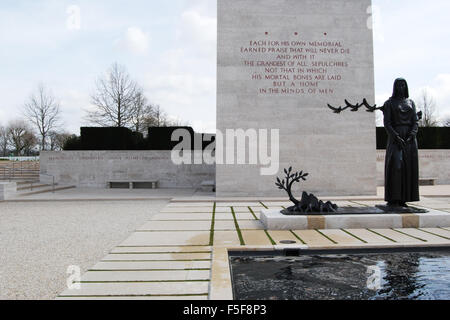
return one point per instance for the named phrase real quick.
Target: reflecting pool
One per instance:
(362, 276)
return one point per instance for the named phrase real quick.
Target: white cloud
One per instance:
(184, 82)
(198, 30)
(204, 126)
(136, 41)
(73, 104)
(439, 89)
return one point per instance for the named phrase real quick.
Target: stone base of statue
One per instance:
(354, 218)
(380, 209)
(401, 209)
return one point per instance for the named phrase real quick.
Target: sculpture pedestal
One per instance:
(378, 219)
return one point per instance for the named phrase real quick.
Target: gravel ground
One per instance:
(39, 240)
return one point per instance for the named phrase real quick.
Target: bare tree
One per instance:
(4, 141)
(144, 113)
(58, 139)
(446, 122)
(29, 141)
(21, 137)
(160, 117)
(114, 99)
(43, 112)
(427, 105)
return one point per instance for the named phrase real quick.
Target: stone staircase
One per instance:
(19, 170)
(27, 188)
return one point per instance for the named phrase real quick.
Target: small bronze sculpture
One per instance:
(401, 122)
(309, 203)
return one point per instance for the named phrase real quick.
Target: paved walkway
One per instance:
(40, 240)
(182, 252)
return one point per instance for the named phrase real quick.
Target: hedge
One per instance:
(114, 138)
(427, 138)
(159, 138)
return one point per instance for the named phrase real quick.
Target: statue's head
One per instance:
(401, 90)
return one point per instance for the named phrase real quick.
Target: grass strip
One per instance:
(354, 236)
(434, 234)
(296, 236)
(263, 205)
(381, 235)
(270, 238)
(238, 230)
(409, 235)
(211, 233)
(323, 234)
(253, 213)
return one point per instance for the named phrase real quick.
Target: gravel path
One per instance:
(39, 240)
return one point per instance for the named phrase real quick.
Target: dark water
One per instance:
(393, 276)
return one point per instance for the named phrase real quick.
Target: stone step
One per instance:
(139, 289)
(47, 190)
(32, 186)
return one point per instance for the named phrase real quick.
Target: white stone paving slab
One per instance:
(181, 216)
(188, 210)
(120, 276)
(175, 225)
(425, 236)
(170, 238)
(190, 204)
(250, 225)
(223, 225)
(368, 236)
(157, 256)
(340, 237)
(397, 236)
(157, 249)
(117, 289)
(185, 298)
(150, 265)
(438, 231)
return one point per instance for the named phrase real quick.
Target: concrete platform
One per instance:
(273, 219)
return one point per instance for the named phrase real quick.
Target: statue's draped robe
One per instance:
(402, 163)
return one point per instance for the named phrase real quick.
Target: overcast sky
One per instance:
(169, 47)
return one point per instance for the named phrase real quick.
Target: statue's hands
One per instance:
(400, 141)
(411, 138)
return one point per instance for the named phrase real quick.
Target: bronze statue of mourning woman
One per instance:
(401, 121)
(402, 157)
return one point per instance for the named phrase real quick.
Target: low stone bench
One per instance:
(208, 186)
(427, 181)
(133, 184)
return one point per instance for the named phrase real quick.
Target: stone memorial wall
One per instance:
(97, 168)
(280, 62)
